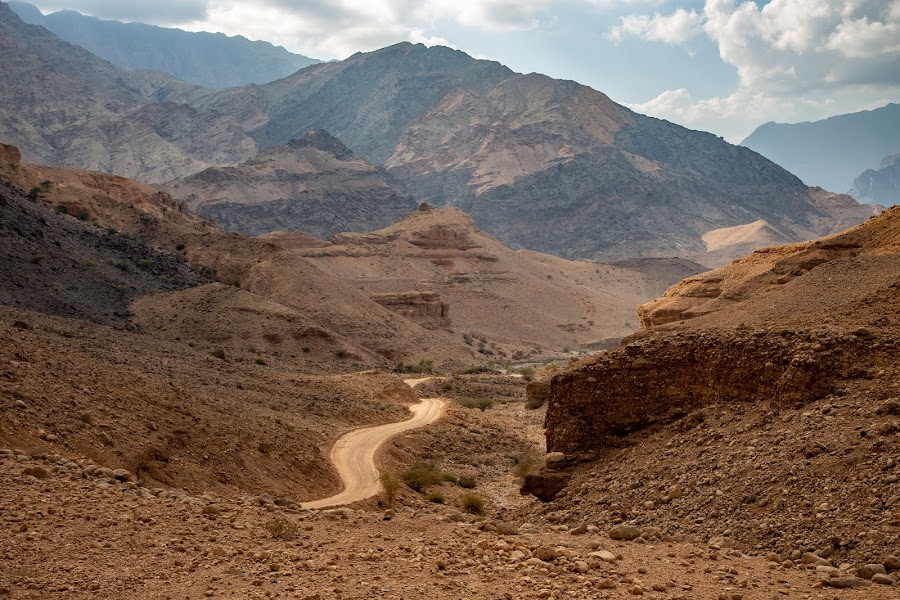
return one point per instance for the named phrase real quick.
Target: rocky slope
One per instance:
(436, 264)
(62, 105)
(880, 186)
(315, 184)
(542, 164)
(831, 152)
(265, 303)
(757, 410)
(212, 60)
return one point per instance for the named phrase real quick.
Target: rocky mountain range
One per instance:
(881, 186)
(543, 164)
(212, 60)
(314, 184)
(830, 153)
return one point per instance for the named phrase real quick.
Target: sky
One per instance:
(724, 66)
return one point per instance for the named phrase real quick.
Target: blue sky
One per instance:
(724, 66)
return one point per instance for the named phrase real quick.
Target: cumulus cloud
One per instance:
(677, 28)
(792, 57)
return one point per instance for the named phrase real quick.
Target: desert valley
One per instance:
(413, 325)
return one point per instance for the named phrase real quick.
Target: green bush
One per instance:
(260, 360)
(527, 373)
(389, 484)
(481, 403)
(436, 498)
(421, 475)
(472, 504)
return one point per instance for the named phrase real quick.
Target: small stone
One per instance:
(507, 528)
(106, 439)
(581, 566)
(212, 509)
(882, 579)
(555, 457)
(545, 553)
(20, 404)
(623, 531)
(606, 584)
(676, 491)
(808, 558)
(868, 571)
(580, 530)
(37, 472)
(844, 583)
(892, 563)
(87, 417)
(121, 474)
(604, 555)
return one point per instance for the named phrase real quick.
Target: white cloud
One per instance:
(794, 59)
(677, 28)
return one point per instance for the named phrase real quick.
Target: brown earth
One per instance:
(506, 304)
(757, 410)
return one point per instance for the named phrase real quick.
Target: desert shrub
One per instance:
(179, 246)
(446, 386)
(421, 475)
(35, 260)
(527, 373)
(282, 529)
(260, 360)
(472, 504)
(389, 484)
(90, 263)
(340, 353)
(450, 477)
(426, 365)
(466, 481)
(436, 498)
(481, 403)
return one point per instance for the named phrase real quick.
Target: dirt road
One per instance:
(353, 455)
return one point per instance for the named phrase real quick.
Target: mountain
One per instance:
(62, 105)
(507, 303)
(314, 184)
(539, 163)
(830, 153)
(543, 164)
(212, 60)
(881, 186)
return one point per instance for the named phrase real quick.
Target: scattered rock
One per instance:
(624, 531)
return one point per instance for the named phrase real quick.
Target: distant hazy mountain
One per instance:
(212, 60)
(832, 152)
(881, 186)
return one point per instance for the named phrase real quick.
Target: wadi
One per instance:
(410, 324)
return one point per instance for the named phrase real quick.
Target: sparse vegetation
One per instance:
(528, 463)
(426, 365)
(282, 529)
(90, 263)
(527, 373)
(340, 353)
(481, 403)
(389, 485)
(36, 260)
(472, 504)
(421, 475)
(436, 498)
(179, 246)
(260, 360)
(466, 481)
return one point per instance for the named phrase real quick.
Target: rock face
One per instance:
(881, 186)
(315, 184)
(212, 60)
(831, 152)
(425, 308)
(749, 332)
(663, 379)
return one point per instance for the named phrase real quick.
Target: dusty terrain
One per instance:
(503, 303)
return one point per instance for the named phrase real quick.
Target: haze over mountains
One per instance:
(212, 60)
(538, 163)
(832, 152)
(881, 186)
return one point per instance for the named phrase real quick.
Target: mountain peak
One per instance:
(320, 139)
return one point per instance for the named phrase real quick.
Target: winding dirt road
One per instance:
(353, 455)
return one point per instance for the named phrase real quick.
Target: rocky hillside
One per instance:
(881, 186)
(438, 267)
(831, 152)
(213, 60)
(264, 302)
(539, 163)
(758, 410)
(62, 105)
(314, 184)
(543, 164)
